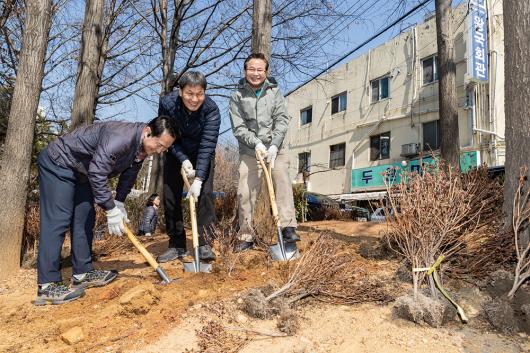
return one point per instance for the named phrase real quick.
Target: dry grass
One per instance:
(214, 338)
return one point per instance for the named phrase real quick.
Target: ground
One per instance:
(138, 314)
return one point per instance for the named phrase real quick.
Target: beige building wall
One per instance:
(411, 103)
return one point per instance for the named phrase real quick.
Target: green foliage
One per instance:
(300, 202)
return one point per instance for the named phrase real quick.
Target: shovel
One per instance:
(280, 251)
(147, 256)
(196, 265)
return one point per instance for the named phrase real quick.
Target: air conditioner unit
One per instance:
(410, 149)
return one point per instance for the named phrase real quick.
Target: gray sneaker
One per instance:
(172, 254)
(95, 278)
(206, 253)
(57, 293)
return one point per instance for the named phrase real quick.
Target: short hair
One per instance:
(192, 78)
(162, 124)
(260, 56)
(151, 199)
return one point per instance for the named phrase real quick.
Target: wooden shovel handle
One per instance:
(270, 187)
(193, 212)
(146, 254)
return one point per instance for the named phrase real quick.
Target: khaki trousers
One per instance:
(249, 187)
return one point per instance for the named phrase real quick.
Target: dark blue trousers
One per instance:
(65, 203)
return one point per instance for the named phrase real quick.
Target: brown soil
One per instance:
(136, 313)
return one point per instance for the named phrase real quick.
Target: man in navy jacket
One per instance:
(197, 118)
(73, 175)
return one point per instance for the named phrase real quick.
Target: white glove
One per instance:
(261, 149)
(115, 221)
(272, 153)
(195, 189)
(187, 167)
(121, 207)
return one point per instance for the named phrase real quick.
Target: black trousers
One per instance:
(173, 187)
(65, 203)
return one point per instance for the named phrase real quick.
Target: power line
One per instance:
(410, 12)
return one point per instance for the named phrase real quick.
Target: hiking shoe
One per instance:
(244, 246)
(289, 235)
(171, 254)
(94, 278)
(206, 253)
(57, 293)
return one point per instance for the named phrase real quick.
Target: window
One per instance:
(431, 135)
(430, 69)
(304, 162)
(380, 89)
(306, 115)
(339, 103)
(380, 146)
(337, 155)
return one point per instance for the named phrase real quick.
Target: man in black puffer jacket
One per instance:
(197, 118)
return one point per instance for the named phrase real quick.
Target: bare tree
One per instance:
(86, 87)
(517, 93)
(5, 12)
(15, 162)
(262, 27)
(449, 144)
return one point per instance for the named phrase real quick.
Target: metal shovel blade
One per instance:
(197, 265)
(192, 267)
(163, 275)
(290, 252)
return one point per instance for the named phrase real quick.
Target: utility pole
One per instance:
(448, 105)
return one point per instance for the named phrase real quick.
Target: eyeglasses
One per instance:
(259, 71)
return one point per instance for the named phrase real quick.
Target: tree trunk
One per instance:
(517, 93)
(15, 162)
(86, 88)
(449, 144)
(169, 48)
(262, 27)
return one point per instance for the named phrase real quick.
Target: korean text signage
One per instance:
(375, 176)
(477, 41)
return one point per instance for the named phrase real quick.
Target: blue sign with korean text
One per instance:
(477, 41)
(375, 177)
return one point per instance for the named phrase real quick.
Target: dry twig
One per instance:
(520, 221)
(443, 212)
(331, 274)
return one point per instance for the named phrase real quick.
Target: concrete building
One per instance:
(380, 110)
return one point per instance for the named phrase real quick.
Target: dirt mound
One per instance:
(139, 300)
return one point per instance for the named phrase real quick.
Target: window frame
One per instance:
(379, 156)
(307, 154)
(309, 108)
(343, 157)
(435, 68)
(338, 97)
(438, 136)
(379, 90)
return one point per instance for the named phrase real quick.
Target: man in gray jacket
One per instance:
(74, 171)
(259, 122)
